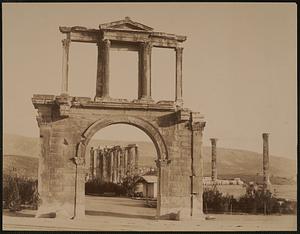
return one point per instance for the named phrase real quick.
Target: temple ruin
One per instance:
(112, 164)
(68, 123)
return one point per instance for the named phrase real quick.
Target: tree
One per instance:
(13, 196)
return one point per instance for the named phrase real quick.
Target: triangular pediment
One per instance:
(126, 24)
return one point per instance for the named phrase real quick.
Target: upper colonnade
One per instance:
(124, 35)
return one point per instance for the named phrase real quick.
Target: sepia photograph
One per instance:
(165, 116)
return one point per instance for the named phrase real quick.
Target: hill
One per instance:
(231, 162)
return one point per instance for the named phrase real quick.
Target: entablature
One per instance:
(123, 31)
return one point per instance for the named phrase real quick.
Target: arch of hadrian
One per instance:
(68, 123)
(112, 164)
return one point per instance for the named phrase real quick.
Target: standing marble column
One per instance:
(95, 164)
(214, 160)
(145, 71)
(178, 91)
(114, 165)
(92, 163)
(266, 176)
(136, 160)
(111, 166)
(65, 65)
(105, 166)
(130, 157)
(125, 160)
(97, 154)
(101, 164)
(102, 82)
(118, 165)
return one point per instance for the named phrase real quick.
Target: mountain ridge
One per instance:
(230, 161)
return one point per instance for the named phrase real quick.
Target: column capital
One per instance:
(146, 45)
(213, 140)
(178, 49)
(162, 162)
(265, 135)
(106, 42)
(197, 126)
(66, 42)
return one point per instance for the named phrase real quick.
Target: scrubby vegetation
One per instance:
(19, 192)
(98, 187)
(254, 201)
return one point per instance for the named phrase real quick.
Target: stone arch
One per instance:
(140, 123)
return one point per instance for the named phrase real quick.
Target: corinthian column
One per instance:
(102, 82)
(145, 71)
(178, 91)
(266, 179)
(213, 160)
(65, 65)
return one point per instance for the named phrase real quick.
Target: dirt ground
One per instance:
(124, 214)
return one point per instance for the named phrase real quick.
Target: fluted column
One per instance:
(145, 71)
(95, 164)
(125, 160)
(65, 66)
(136, 160)
(111, 166)
(178, 91)
(105, 166)
(118, 165)
(102, 82)
(129, 162)
(213, 159)
(92, 162)
(266, 179)
(101, 164)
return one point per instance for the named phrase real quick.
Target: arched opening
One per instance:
(121, 177)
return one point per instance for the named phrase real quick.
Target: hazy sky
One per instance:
(239, 66)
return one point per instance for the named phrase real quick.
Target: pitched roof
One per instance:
(150, 179)
(126, 24)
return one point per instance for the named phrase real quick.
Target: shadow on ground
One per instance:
(17, 214)
(119, 215)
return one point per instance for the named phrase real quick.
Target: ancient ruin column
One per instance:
(105, 166)
(178, 91)
(102, 82)
(266, 179)
(130, 157)
(111, 166)
(95, 163)
(114, 165)
(145, 71)
(92, 163)
(213, 160)
(125, 161)
(118, 164)
(136, 160)
(99, 78)
(106, 50)
(101, 165)
(65, 65)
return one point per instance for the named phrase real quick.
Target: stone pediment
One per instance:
(126, 24)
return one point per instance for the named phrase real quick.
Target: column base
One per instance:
(179, 102)
(53, 212)
(144, 100)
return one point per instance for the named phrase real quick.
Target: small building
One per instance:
(149, 186)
